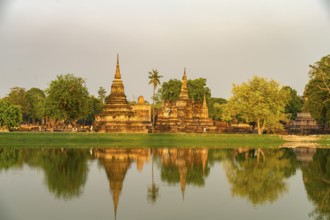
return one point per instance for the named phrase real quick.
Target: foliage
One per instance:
(95, 106)
(65, 171)
(215, 110)
(258, 175)
(9, 157)
(101, 94)
(294, 104)
(154, 78)
(10, 115)
(316, 176)
(170, 90)
(317, 91)
(197, 89)
(67, 98)
(35, 104)
(260, 101)
(17, 97)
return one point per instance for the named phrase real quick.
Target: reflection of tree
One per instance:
(258, 175)
(153, 189)
(66, 171)
(9, 157)
(316, 177)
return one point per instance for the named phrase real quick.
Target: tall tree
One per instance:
(17, 96)
(294, 104)
(317, 91)
(154, 80)
(197, 89)
(170, 90)
(10, 115)
(35, 104)
(260, 101)
(214, 105)
(67, 98)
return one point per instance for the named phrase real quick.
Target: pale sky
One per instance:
(224, 41)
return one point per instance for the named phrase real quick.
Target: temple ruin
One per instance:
(303, 124)
(184, 115)
(118, 115)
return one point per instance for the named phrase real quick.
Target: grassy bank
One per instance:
(31, 139)
(324, 140)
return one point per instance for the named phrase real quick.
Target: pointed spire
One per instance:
(184, 87)
(117, 75)
(204, 102)
(184, 75)
(115, 199)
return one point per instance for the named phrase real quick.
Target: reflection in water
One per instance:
(116, 162)
(65, 169)
(257, 175)
(184, 166)
(316, 177)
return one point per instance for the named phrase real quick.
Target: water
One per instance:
(164, 183)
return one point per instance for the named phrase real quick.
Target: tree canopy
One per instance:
(294, 104)
(260, 101)
(170, 90)
(35, 99)
(67, 98)
(317, 91)
(10, 115)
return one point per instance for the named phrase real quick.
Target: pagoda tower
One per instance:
(117, 114)
(185, 115)
(184, 104)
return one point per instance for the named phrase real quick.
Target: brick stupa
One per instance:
(185, 115)
(118, 115)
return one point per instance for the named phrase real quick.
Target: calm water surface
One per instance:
(164, 183)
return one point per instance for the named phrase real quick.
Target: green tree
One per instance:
(197, 88)
(170, 90)
(10, 115)
(101, 94)
(258, 101)
(294, 104)
(317, 91)
(17, 96)
(95, 106)
(67, 98)
(154, 80)
(35, 104)
(215, 110)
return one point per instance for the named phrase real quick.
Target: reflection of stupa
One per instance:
(184, 160)
(118, 115)
(116, 162)
(304, 154)
(184, 115)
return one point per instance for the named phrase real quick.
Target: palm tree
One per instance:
(154, 80)
(154, 189)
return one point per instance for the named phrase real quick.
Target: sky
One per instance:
(225, 41)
